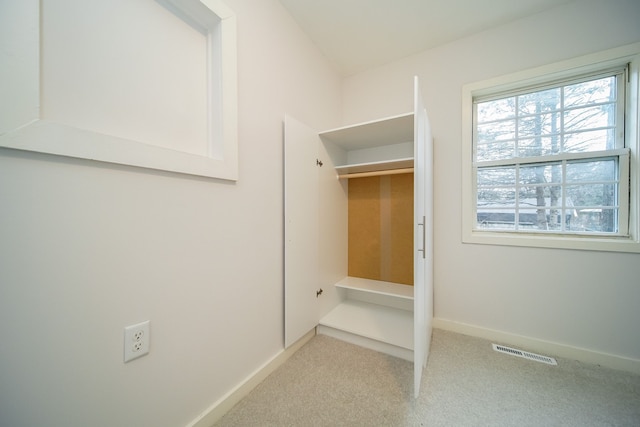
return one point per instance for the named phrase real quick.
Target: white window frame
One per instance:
(25, 130)
(629, 54)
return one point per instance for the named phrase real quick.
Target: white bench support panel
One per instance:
(361, 341)
(358, 322)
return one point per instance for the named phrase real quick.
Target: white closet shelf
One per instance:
(381, 323)
(387, 165)
(377, 287)
(390, 130)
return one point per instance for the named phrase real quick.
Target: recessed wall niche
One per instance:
(145, 83)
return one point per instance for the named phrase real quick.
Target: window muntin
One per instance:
(547, 159)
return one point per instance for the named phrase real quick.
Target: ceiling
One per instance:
(359, 34)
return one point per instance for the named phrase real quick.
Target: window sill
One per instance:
(586, 243)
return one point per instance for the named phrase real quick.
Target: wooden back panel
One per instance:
(381, 228)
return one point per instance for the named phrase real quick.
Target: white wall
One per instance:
(575, 298)
(88, 248)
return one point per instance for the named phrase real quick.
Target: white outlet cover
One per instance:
(136, 341)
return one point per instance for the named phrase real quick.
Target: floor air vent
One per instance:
(524, 354)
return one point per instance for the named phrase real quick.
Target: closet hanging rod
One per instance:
(375, 173)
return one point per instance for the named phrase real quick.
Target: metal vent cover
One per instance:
(524, 354)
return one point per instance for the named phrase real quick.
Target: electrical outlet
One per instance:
(136, 341)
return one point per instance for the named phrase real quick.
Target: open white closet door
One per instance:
(423, 238)
(301, 230)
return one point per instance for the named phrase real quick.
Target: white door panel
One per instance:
(300, 230)
(423, 218)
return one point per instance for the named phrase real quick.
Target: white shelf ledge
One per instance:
(377, 287)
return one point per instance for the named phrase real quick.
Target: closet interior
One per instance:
(358, 234)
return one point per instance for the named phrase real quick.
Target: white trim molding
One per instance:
(23, 128)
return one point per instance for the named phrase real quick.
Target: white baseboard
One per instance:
(541, 346)
(217, 410)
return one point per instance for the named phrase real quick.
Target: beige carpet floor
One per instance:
(332, 383)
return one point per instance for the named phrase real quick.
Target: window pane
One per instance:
(594, 221)
(496, 150)
(497, 199)
(492, 219)
(538, 102)
(596, 140)
(540, 124)
(595, 91)
(496, 177)
(602, 170)
(590, 118)
(540, 146)
(496, 110)
(493, 131)
(540, 196)
(592, 195)
(539, 174)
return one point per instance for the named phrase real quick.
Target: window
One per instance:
(548, 160)
(553, 159)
